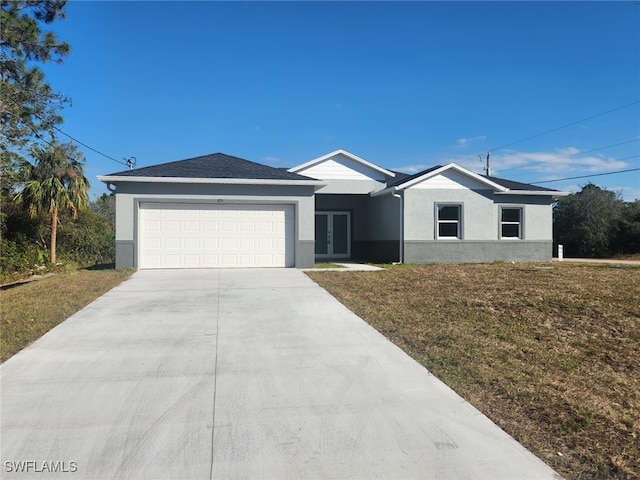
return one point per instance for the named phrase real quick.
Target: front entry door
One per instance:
(333, 234)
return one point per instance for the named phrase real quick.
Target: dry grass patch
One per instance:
(30, 310)
(551, 353)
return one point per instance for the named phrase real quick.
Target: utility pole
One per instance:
(487, 169)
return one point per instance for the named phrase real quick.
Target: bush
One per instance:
(88, 240)
(19, 257)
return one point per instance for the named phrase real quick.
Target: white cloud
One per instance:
(629, 194)
(560, 161)
(463, 142)
(272, 160)
(413, 168)
(539, 166)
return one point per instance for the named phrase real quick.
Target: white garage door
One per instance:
(215, 235)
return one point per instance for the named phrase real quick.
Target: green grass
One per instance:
(31, 309)
(551, 353)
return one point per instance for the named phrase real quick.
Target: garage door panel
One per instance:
(171, 242)
(209, 226)
(210, 243)
(213, 235)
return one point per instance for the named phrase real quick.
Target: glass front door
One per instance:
(333, 234)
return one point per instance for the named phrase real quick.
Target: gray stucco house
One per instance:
(223, 211)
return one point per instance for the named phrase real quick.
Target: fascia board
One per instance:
(346, 154)
(540, 193)
(227, 181)
(385, 191)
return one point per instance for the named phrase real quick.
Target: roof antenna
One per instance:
(487, 168)
(131, 162)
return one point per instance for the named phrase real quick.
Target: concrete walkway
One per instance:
(232, 374)
(598, 260)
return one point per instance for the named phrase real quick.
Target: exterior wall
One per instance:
(477, 251)
(351, 187)
(129, 195)
(357, 206)
(384, 229)
(375, 224)
(480, 240)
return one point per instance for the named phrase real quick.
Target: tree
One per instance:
(105, 206)
(56, 183)
(628, 240)
(588, 222)
(28, 105)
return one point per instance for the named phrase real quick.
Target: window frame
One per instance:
(458, 222)
(502, 223)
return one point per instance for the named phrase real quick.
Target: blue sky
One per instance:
(406, 85)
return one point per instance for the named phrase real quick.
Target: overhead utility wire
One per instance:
(570, 155)
(592, 175)
(91, 148)
(126, 163)
(566, 126)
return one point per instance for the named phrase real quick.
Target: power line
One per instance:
(571, 155)
(91, 148)
(566, 126)
(588, 176)
(126, 163)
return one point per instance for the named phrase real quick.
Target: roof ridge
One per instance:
(214, 165)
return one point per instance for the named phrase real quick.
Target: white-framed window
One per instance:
(510, 222)
(449, 220)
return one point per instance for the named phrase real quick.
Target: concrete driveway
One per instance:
(215, 374)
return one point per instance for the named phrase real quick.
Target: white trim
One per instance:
(229, 181)
(543, 193)
(346, 154)
(520, 223)
(458, 222)
(385, 191)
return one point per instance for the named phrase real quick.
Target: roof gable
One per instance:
(342, 165)
(216, 165)
(454, 176)
(450, 176)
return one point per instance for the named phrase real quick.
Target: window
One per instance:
(510, 222)
(449, 221)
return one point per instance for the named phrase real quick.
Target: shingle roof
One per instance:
(511, 185)
(216, 165)
(403, 178)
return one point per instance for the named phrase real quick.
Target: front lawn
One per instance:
(550, 352)
(31, 309)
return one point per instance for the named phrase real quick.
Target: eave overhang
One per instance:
(539, 193)
(114, 179)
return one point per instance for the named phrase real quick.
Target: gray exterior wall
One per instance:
(480, 240)
(477, 251)
(385, 223)
(130, 194)
(375, 224)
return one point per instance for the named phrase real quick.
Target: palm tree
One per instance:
(54, 184)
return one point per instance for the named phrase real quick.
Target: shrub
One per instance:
(88, 240)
